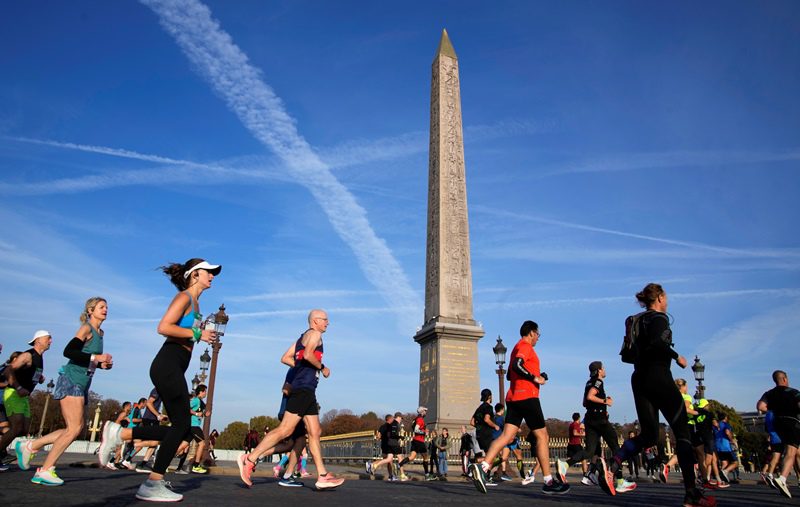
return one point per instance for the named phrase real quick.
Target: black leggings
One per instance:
(596, 427)
(654, 391)
(167, 373)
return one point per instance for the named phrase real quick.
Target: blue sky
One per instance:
(607, 145)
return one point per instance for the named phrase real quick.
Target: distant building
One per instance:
(753, 421)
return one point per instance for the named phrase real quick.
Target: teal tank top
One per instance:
(81, 375)
(193, 318)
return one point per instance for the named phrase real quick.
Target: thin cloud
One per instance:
(738, 252)
(239, 84)
(677, 159)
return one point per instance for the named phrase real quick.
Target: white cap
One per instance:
(38, 334)
(422, 410)
(214, 269)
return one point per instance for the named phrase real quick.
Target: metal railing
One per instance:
(364, 445)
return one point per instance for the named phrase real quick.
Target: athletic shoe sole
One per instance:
(102, 453)
(605, 478)
(663, 474)
(287, 484)
(783, 488)
(162, 500)
(240, 461)
(329, 485)
(478, 479)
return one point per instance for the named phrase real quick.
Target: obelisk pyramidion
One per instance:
(448, 375)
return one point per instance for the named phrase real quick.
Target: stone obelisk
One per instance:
(448, 376)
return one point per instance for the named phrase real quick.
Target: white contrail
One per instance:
(227, 68)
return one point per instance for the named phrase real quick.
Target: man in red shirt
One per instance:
(418, 442)
(523, 403)
(575, 444)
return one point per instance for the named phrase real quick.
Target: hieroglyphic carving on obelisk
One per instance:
(449, 376)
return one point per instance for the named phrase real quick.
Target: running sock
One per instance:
(403, 462)
(287, 475)
(182, 461)
(521, 468)
(303, 462)
(284, 460)
(548, 479)
(425, 467)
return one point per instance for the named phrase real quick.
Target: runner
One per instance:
(387, 450)
(151, 416)
(198, 411)
(784, 402)
(705, 437)
(576, 432)
(23, 374)
(523, 403)
(85, 353)
(483, 421)
(301, 404)
(775, 448)
(418, 442)
(597, 427)
(723, 438)
(499, 420)
(181, 325)
(397, 435)
(654, 390)
(5, 427)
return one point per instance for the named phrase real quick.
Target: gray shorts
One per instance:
(66, 387)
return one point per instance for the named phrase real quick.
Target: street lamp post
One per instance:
(95, 428)
(195, 382)
(699, 371)
(500, 358)
(50, 386)
(205, 360)
(219, 320)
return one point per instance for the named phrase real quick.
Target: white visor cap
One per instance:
(214, 269)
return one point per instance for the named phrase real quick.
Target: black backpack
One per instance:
(629, 352)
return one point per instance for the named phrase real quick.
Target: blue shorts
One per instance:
(65, 387)
(514, 445)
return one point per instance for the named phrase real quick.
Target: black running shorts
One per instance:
(418, 447)
(529, 410)
(196, 434)
(788, 428)
(302, 402)
(485, 441)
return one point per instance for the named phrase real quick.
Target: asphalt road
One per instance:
(95, 487)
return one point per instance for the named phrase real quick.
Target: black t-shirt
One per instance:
(591, 406)
(480, 423)
(655, 341)
(394, 434)
(784, 401)
(384, 431)
(466, 443)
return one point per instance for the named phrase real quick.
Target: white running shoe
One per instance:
(108, 442)
(623, 486)
(780, 483)
(157, 491)
(530, 479)
(47, 477)
(24, 453)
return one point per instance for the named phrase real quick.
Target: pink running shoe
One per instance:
(245, 468)
(328, 481)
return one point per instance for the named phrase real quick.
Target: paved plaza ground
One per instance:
(91, 486)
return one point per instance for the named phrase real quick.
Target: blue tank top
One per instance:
(306, 375)
(193, 318)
